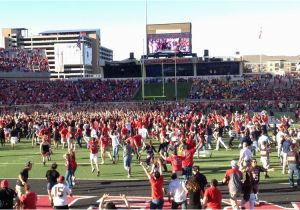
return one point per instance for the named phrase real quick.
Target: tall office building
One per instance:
(70, 53)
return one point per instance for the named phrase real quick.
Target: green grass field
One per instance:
(155, 89)
(12, 161)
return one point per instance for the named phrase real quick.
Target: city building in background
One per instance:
(106, 55)
(271, 64)
(70, 53)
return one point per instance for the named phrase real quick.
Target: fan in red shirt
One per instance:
(188, 161)
(212, 196)
(29, 199)
(176, 162)
(79, 135)
(104, 145)
(157, 187)
(63, 136)
(138, 145)
(94, 149)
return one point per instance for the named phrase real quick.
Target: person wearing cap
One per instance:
(7, 196)
(29, 199)
(51, 176)
(233, 177)
(59, 194)
(23, 179)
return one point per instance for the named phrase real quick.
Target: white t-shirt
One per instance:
(143, 132)
(263, 138)
(246, 154)
(176, 187)
(94, 134)
(114, 140)
(60, 194)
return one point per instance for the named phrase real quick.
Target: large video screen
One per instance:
(175, 42)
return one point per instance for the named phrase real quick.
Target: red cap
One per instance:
(4, 183)
(60, 179)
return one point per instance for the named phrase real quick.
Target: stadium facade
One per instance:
(79, 54)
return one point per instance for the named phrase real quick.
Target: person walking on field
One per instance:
(45, 151)
(127, 157)
(23, 179)
(94, 150)
(233, 177)
(293, 158)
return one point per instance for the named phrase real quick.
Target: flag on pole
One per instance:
(260, 32)
(78, 42)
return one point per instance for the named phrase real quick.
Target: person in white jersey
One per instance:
(60, 193)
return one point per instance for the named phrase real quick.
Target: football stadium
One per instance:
(172, 129)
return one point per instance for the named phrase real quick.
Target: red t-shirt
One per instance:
(176, 162)
(105, 131)
(124, 131)
(138, 140)
(93, 147)
(188, 154)
(157, 188)
(29, 200)
(64, 132)
(105, 141)
(214, 198)
(79, 133)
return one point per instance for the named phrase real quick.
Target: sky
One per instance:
(221, 26)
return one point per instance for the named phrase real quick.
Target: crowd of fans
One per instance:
(107, 91)
(42, 92)
(180, 129)
(23, 60)
(270, 88)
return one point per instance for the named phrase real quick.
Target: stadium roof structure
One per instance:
(70, 31)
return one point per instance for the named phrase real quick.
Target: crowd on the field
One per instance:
(180, 132)
(15, 92)
(23, 60)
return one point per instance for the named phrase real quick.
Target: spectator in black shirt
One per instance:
(23, 179)
(51, 176)
(201, 179)
(7, 196)
(163, 150)
(2, 135)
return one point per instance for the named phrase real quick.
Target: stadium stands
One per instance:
(18, 59)
(15, 92)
